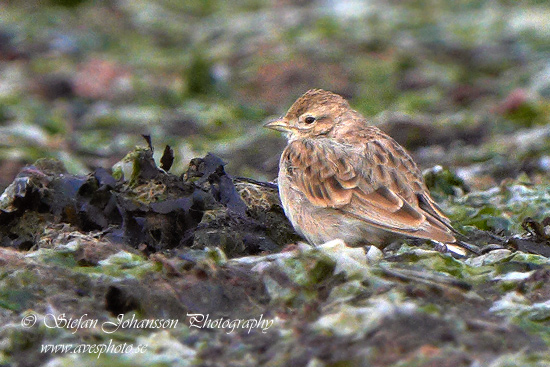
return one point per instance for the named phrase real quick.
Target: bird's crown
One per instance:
(314, 98)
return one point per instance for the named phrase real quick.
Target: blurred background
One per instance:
(464, 84)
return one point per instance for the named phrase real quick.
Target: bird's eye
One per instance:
(309, 120)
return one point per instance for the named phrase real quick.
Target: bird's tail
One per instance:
(461, 248)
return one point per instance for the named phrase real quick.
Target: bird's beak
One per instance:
(279, 124)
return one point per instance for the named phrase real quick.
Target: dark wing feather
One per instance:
(377, 182)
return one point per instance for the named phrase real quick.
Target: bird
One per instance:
(342, 178)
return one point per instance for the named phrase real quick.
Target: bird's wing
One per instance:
(376, 181)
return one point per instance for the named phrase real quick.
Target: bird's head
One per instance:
(313, 114)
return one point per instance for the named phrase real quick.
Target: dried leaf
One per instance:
(167, 158)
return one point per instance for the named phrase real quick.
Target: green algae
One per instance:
(129, 169)
(450, 62)
(500, 209)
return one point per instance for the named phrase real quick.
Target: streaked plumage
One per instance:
(341, 178)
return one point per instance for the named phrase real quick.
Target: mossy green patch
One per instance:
(309, 269)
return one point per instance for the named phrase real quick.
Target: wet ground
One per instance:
(107, 230)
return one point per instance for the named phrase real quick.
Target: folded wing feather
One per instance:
(375, 183)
